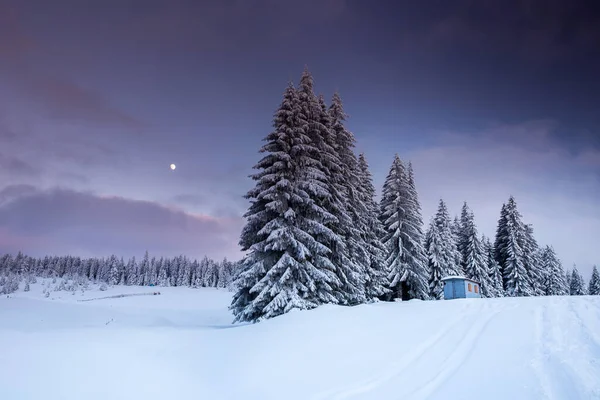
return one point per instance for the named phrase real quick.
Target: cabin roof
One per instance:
(457, 277)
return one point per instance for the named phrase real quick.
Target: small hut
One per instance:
(459, 287)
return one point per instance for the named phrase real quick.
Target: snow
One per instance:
(181, 345)
(455, 277)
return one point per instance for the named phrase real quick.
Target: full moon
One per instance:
(173, 166)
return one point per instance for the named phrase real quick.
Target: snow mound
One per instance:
(182, 345)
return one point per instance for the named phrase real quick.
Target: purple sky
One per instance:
(98, 98)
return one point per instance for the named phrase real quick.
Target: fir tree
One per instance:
(316, 123)
(463, 235)
(375, 272)
(344, 175)
(286, 235)
(531, 261)
(441, 251)
(494, 275)
(509, 253)
(475, 263)
(554, 276)
(143, 267)
(594, 285)
(577, 287)
(400, 215)
(113, 272)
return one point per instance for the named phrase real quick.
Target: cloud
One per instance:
(58, 97)
(556, 190)
(15, 166)
(62, 221)
(12, 192)
(63, 99)
(190, 199)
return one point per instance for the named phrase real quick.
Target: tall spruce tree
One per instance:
(286, 235)
(554, 276)
(475, 263)
(376, 282)
(577, 287)
(441, 250)
(509, 251)
(348, 178)
(594, 286)
(400, 215)
(316, 124)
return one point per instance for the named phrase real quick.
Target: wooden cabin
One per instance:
(459, 287)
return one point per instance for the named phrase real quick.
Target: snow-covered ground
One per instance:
(181, 345)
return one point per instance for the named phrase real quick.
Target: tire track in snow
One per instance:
(572, 366)
(542, 353)
(592, 338)
(397, 368)
(457, 357)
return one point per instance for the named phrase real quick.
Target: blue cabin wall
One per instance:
(458, 289)
(448, 290)
(471, 294)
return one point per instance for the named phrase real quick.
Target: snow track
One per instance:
(394, 371)
(157, 347)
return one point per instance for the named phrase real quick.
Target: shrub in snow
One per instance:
(26, 288)
(103, 287)
(11, 285)
(47, 295)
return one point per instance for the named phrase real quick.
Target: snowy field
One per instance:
(181, 345)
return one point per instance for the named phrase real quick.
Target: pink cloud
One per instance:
(84, 223)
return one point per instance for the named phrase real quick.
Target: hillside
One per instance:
(181, 345)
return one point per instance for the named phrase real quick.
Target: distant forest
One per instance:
(175, 271)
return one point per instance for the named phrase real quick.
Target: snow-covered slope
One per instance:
(181, 345)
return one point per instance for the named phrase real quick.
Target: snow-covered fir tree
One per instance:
(316, 123)
(475, 265)
(113, 273)
(441, 250)
(509, 253)
(495, 288)
(554, 275)
(531, 261)
(594, 285)
(345, 176)
(376, 283)
(568, 280)
(400, 216)
(463, 235)
(286, 234)
(577, 287)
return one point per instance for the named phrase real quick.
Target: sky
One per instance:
(488, 99)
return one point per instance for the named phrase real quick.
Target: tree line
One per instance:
(112, 270)
(315, 234)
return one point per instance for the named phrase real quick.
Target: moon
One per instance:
(173, 166)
